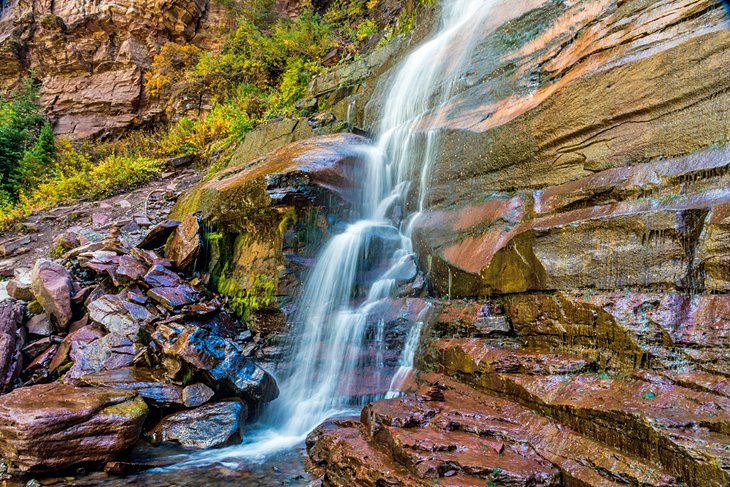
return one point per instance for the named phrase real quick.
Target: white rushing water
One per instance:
(330, 326)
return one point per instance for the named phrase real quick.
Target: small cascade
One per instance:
(333, 334)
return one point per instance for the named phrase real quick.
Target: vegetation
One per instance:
(261, 72)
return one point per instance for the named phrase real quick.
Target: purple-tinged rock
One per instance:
(12, 340)
(159, 276)
(53, 287)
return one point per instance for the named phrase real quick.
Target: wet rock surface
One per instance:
(209, 426)
(55, 426)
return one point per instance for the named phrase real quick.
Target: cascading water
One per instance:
(333, 314)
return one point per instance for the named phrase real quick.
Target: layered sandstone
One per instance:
(91, 58)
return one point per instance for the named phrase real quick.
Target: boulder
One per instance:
(12, 341)
(223, 363)
(53, 288)
(52, 427)
(210, 426)
(184, 245)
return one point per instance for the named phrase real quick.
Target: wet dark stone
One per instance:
(196, 395)
(209, 426)
(224, 364)
(12, 339)
(159, 276)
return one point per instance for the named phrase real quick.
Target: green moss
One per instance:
(134, 409)
(245, 301)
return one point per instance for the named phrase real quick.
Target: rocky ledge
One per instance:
(601, 389)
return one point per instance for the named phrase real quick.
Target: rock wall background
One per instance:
(91, 57)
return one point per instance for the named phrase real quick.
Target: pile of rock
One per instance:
(112, 342)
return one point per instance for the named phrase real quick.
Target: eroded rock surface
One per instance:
(92, 58)
(52, 427)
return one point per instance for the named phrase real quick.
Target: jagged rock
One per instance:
(12, 341)
(14, 246)
(159, 276)
(130, 270)
(72, 342)
(148, 383)
(196, 395)
(173, 298)
(117, 315)
(209, 426)
(223, 363)
(40, 325)
(51, 427)
(53, 287)
(108, 352)
(158, 235)
(184, 246)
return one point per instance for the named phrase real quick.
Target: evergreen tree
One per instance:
(21, 128)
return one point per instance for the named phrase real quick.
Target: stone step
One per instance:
(340, 455)
(685, 430)
(500, 429)
(451, 434)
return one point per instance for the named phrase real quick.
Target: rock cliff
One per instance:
(578, 203)
(92, 57)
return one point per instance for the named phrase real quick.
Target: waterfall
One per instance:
(331, 321)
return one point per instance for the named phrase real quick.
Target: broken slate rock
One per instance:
(117, 315)
(184, 245)
(40, 325)
(173, 297)
(12, 340)
(53, 287)
(159, 276)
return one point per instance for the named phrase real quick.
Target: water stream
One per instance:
(328, 345)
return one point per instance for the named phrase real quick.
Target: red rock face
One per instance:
(589, 153)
